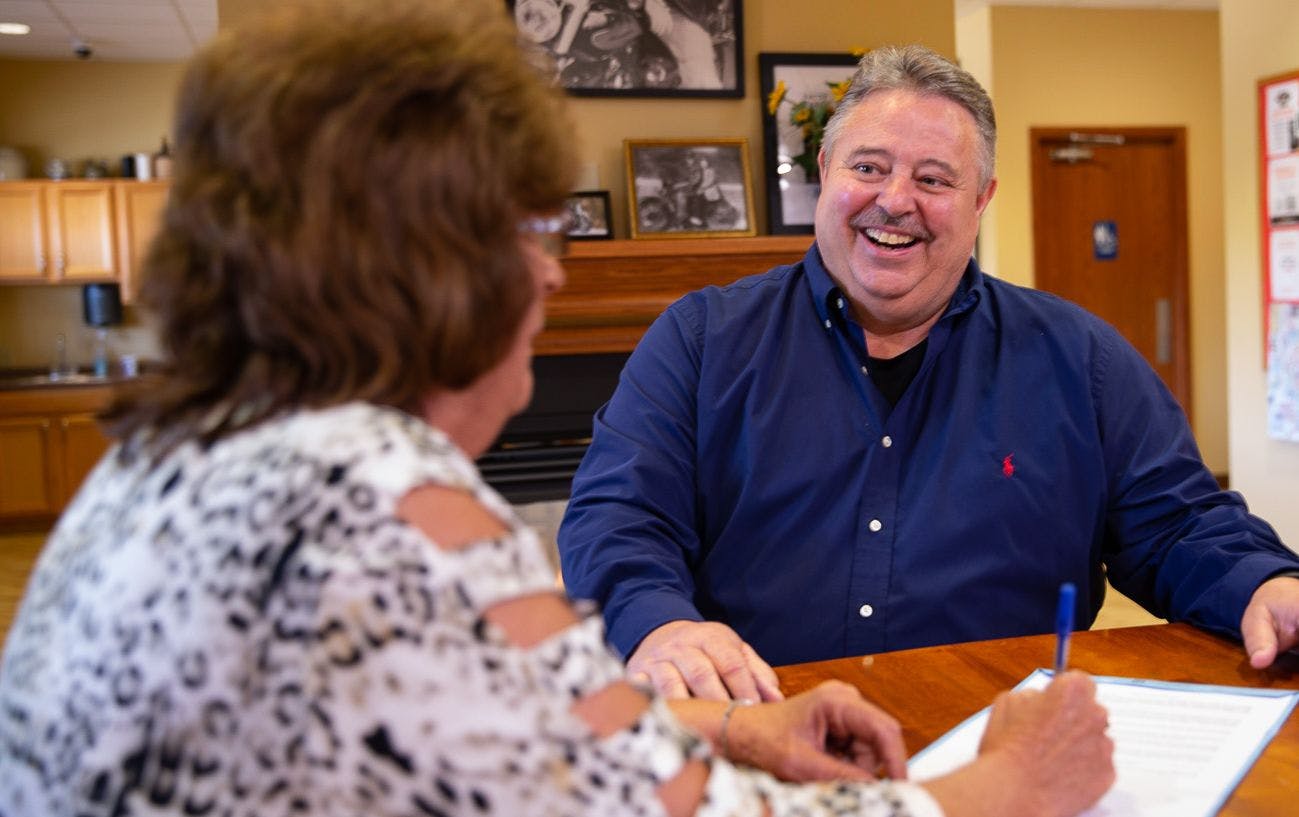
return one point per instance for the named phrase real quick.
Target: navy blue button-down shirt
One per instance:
(747, 470)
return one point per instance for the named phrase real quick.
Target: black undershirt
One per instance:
(892, 375)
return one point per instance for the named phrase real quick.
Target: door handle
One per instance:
(1163, 332)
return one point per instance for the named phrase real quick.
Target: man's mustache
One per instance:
(876, 216)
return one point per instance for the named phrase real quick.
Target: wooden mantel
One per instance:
(617, 288)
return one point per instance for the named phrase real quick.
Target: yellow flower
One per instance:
(777, 95)
(838, 89)
(800, 116)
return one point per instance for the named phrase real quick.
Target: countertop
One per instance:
(23, 379)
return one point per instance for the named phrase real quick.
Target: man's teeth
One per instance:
(889, 239)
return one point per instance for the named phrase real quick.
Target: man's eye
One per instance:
(933, 181)
(868, 170)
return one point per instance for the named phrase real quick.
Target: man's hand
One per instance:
(1270, 625)
(826, 733)
(704, 660)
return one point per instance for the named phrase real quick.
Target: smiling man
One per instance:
(883, 447)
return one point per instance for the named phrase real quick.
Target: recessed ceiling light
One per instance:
(14, 28)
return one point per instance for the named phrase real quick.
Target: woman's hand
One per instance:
(1044, 754)
(826, 733)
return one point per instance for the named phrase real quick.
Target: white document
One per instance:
(1179, 749)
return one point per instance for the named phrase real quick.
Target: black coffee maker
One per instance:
(101, 307)
(101, 304)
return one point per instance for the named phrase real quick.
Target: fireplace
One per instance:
(539, 450)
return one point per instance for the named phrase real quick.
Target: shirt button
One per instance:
(887, 442)
(827, 323)
(865, 371)
(875, 525)
(865, 611)
(839, 303)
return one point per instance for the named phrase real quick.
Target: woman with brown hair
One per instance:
(287, 590)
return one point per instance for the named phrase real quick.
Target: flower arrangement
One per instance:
(809, 115)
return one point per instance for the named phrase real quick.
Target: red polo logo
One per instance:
(1008, 467)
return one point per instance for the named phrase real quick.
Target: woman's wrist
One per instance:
(711, 720)
(723, 742)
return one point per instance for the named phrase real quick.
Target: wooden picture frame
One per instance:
(589, 213)
(639, 48)
(793, 183)
(689, 188)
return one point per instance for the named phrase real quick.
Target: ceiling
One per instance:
(115, 30)
(127, 30)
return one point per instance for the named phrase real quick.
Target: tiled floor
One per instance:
(18, 552)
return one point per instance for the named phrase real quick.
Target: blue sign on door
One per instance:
(1105, 240)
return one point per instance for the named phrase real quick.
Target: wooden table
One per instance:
(933, 689)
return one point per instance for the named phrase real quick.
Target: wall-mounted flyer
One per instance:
(1278, 106)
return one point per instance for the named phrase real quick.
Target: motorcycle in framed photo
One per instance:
(639, 48)
(684, 188)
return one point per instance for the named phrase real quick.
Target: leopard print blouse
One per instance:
(249, 629)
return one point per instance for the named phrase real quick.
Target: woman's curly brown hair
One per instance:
(342, 223)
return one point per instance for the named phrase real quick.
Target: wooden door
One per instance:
(139, 214)
(1110, 234)
(22, 232)
(82, 238)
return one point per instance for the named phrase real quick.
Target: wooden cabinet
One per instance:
(28, 484)
(57, 232)
(139, 213)
(22, 231)
(72, 232)
(49, 442)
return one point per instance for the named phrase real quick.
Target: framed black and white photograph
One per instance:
(640, 48)
(687, 188)
(799, 93)
(588, 215)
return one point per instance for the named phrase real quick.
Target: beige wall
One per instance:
(1259, 39)
(1067, 67)
(80, 109)
(769, 25)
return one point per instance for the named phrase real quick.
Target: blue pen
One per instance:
(1063, 626)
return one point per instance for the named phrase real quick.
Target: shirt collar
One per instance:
(827, 296)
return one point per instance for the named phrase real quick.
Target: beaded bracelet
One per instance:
(723, 746)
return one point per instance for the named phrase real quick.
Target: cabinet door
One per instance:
(29, 484)
(22, 232)
(83, 446)
(83, 243)
(139, 213)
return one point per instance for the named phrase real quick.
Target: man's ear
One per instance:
(986, 195)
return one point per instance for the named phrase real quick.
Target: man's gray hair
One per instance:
(916, 68)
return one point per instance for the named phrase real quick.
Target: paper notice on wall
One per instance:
(1283, 190)
(1284, 261)
(1282, 118)
(1283, 372)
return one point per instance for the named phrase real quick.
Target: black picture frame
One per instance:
(590, 215)
(611, 50)
(791, 196)
(689, 188)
